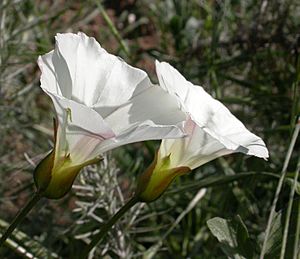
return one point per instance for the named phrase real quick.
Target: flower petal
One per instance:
(97, 76)
(83, 128)
(151, 114)
(210, 115)
(49, 82)
(194, 150)
(79, 69)
(152, 106)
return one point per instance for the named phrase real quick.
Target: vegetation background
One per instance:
(245, 53)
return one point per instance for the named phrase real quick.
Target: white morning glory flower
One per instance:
(101, 102)
(212, 132)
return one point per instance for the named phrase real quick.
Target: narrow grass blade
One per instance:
(24, 245)
(279, 186)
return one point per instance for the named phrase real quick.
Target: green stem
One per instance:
(278, 189)
(98, 237)
(289, 212)
(297, 234)
(113, 28)
(20, 217)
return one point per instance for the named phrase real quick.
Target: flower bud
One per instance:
(156, 179)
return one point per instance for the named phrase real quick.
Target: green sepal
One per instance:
(157, 178)
(43, 171)
(55, 181)
(55, 174)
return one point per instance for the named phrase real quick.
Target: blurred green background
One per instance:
(244, 53)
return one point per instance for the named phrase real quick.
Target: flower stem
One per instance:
(20, 217)
(98, 237)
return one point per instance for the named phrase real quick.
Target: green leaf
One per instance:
(245, 246)
(233, 236)
(274, 241)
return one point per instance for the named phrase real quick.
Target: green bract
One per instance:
(156, 179)
(55, 174)
(54, 181)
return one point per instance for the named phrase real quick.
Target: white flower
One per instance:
(101, 102)
(213, 130)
